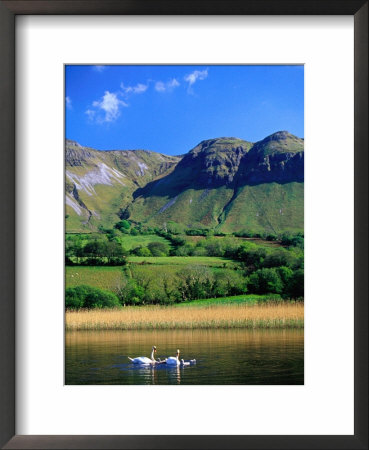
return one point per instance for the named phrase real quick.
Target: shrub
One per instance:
(198, 232)
(245, 233)
(158, 249)
(112, 234)
(141, 251)
(73, 298)
(89, 297)
(123, 225)
(200, 251)
(185, 250)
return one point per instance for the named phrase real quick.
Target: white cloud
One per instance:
(90, 114)
(68, 102)
(109, 105)
(138, 89)
(172, 83)
(191, 78)
(160, 86)
(166, 87)
(98, 68)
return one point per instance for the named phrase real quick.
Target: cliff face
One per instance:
(214, 162)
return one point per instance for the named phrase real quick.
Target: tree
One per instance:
(295, 287)
(214, 247)
(295, 240)
(285, 273)
(265, 281)
(143, 281)
(95, 249)
(114, 252)
(195, 282)
(251, 257)
(278, 258)
(73, 248)
(229, 282)
(168, 288)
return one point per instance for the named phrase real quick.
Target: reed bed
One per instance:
(283, 315)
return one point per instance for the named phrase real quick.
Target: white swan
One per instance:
(144, 359)
(173, 360)
(188, 363)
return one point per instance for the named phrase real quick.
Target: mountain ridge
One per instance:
(201, 188)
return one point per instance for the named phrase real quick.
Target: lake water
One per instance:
(222, 357)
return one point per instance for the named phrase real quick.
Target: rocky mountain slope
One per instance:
(99, 184)
(226, 183)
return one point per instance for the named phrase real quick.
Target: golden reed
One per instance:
(284, 315)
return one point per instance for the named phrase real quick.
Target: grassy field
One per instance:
(129, 242)
(209, 261)
(269, 207)
(100, 277)
(249, 299)
(239, 240)
(283, 315)
(153, 268)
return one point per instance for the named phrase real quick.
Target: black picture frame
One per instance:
(8, 12)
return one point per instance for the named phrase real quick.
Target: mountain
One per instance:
(225, 183)
(99, 184)
(278, 158)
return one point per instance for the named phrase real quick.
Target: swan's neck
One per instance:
(152, 355)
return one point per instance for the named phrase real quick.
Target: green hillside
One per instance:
(100, 184)
(270, 207)
(226, 184)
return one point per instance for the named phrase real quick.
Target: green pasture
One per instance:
(129, 242)
(209, 261)
(100, 277)
(235, 239)
(250, 299)
(151, 270)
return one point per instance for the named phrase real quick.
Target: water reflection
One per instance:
(223, 357)
(149, 373)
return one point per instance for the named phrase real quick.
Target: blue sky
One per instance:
(170, 109)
